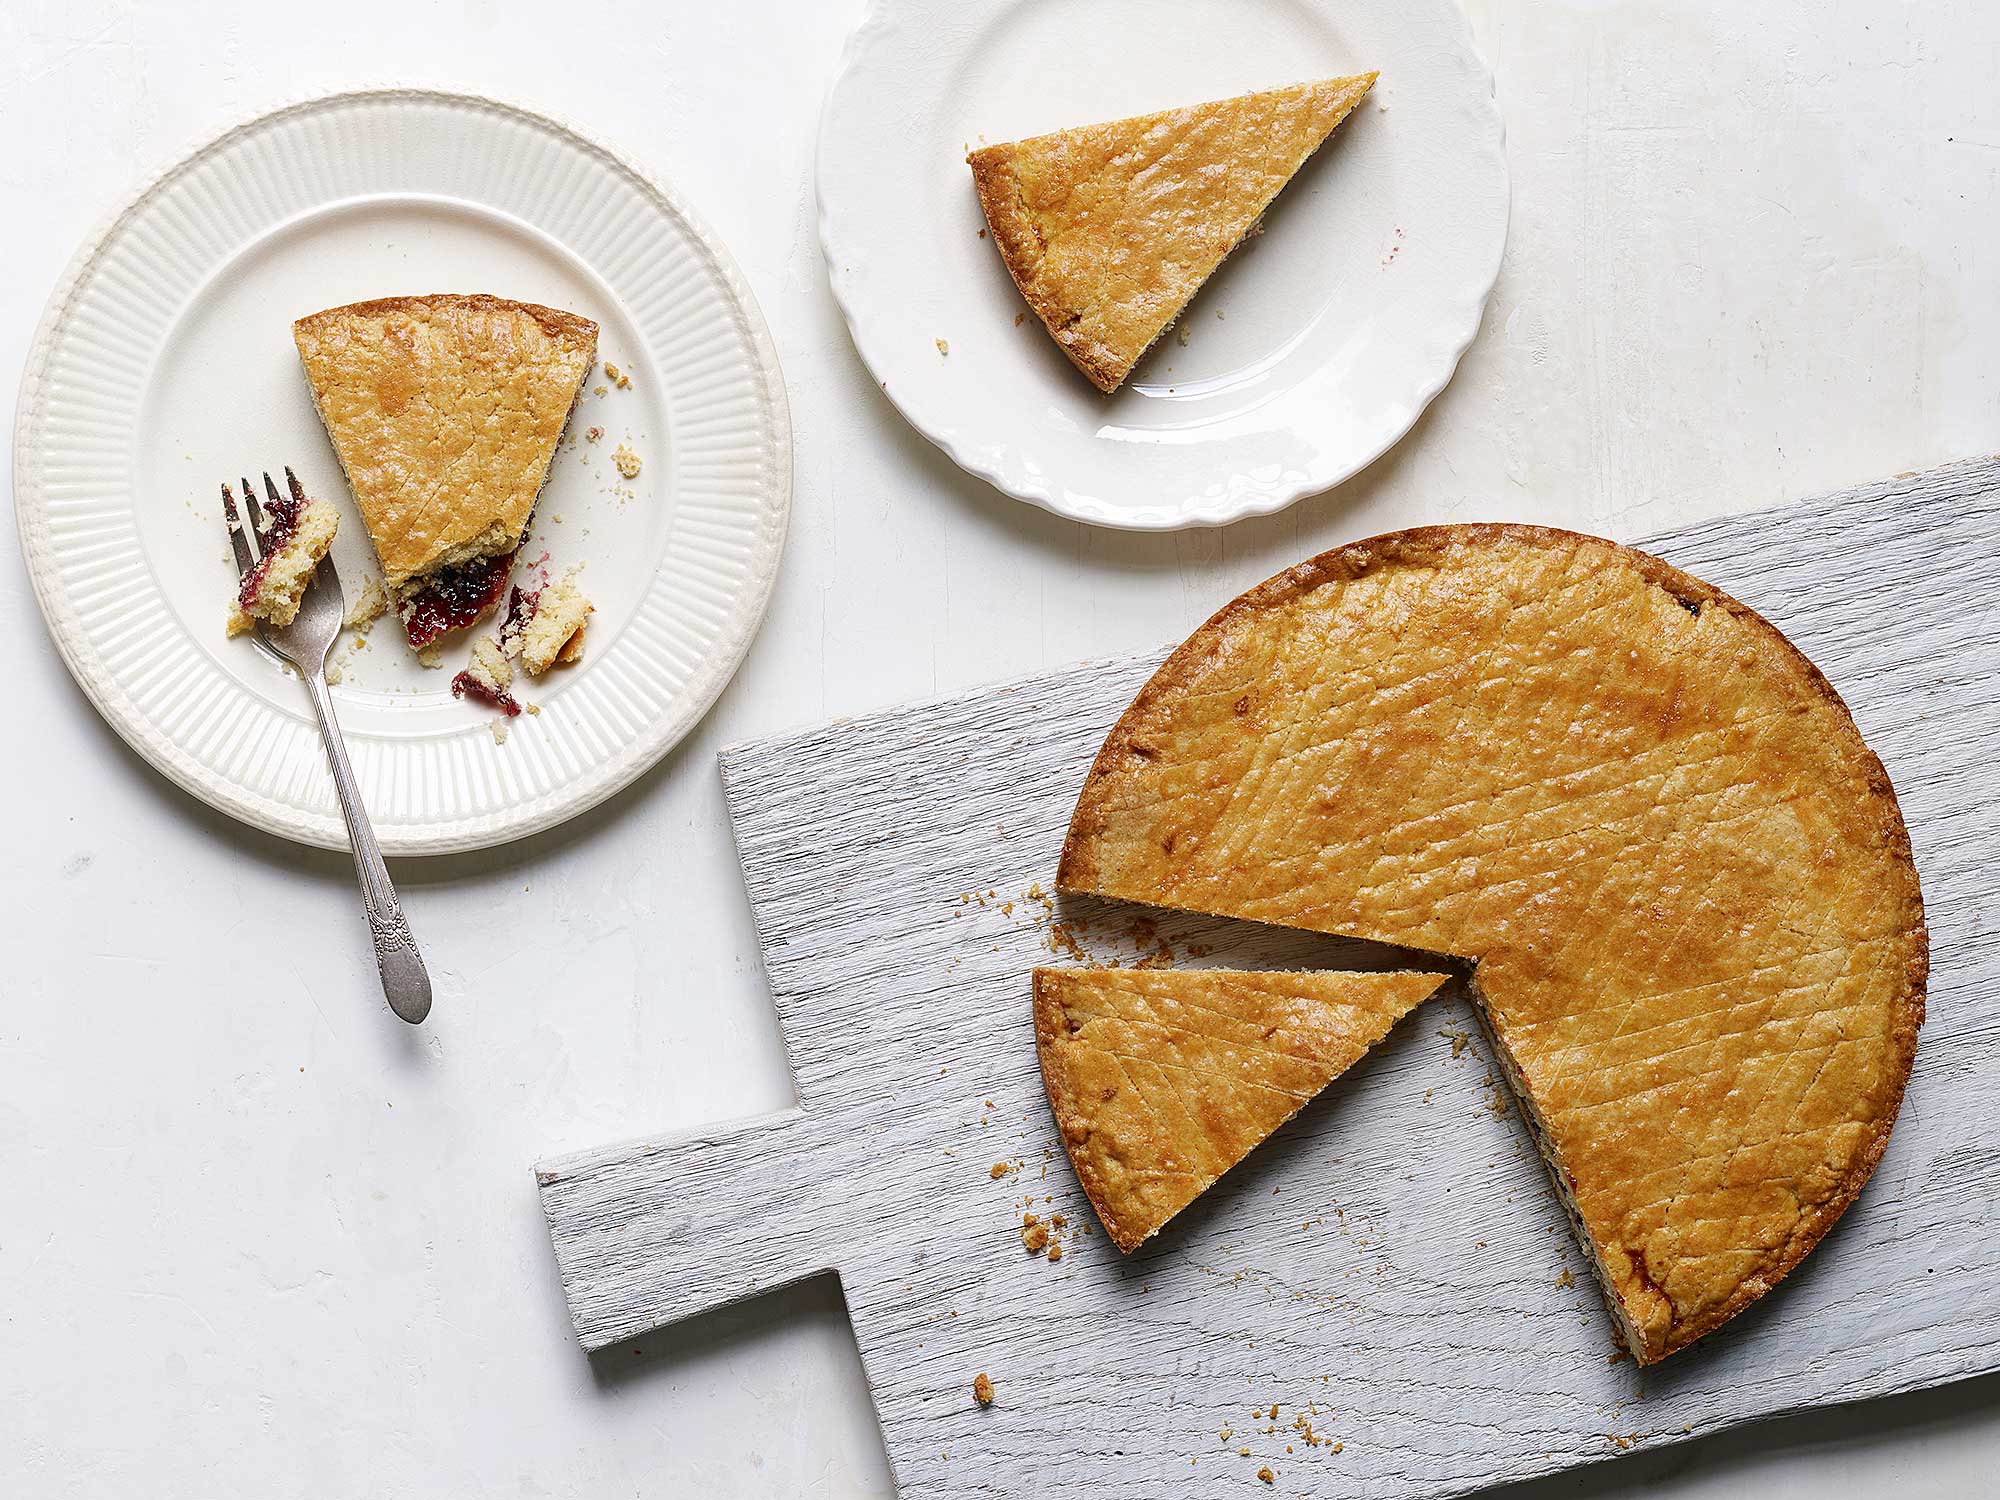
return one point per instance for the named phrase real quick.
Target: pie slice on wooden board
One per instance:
(444, 412)
(1685, 880)
(1163, 1079)
(1109, 230)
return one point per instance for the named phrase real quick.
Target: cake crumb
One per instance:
(943, 347)
(627, 461)
(999, 1170)
(368, 607)
(593, 434)
(1019, 319)
(1266, 1475)
(1181, 335)
(617, 376)
(1566, 1279)
(486, 679)
(499, 728)
(982, 1389)
(1034, 1236)
(1055, 1253)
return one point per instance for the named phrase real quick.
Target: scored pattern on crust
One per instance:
(1109, 229)
(1161, 1080)
(444, 411)
(1652, 822)
(729, 450)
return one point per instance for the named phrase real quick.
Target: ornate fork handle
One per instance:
(405, 981)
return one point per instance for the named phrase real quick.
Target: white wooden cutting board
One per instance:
(1392, 1267)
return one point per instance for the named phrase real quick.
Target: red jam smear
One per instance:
(455, 598)
(281, 524)
(520, 609)
(465, 685)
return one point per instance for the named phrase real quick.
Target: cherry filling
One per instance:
(281, 524)
(465, 685)
(454, 598)
(520, 609)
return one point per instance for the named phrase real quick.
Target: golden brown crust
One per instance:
(1161, 1080)
(1072, 1114)
(1763, 828)
(444, 411)
(1109, 229)
(553, 320)
(1020, 246)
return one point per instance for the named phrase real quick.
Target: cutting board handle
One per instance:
(650, 1233)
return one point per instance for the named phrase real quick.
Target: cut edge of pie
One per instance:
(1139, 259)
(1131, 742)
(392, 380)
(1231, 1056)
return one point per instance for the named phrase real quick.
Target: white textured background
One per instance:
(257, 1238)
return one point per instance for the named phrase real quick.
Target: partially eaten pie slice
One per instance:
(1109, 230)
(1163, 1079)
(445, 412)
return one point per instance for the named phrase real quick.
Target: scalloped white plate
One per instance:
(164, 365)
(1312, 350)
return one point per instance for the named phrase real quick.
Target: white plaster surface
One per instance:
(257, 1238)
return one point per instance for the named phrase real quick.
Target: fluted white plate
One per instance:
(164, 365)
(1313, 349)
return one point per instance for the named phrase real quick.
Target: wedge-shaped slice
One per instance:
(1685, 879)
(444, 412)
(1110, 229)
(1163, 1079)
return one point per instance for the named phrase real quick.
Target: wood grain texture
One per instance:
(1392, 1266)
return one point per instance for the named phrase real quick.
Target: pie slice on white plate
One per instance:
(1109, 230)
(445, 412)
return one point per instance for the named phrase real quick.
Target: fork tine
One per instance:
(292, 481)
(271, 490)
(233, 523)
(255, 512)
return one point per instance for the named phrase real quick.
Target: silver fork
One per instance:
(305, 644)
